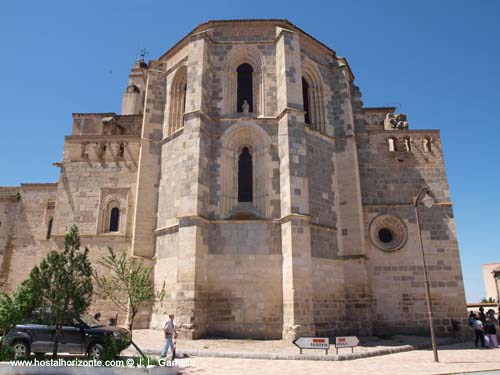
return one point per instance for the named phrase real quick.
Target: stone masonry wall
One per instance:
(27, 242)
(93, 172)
(244, 280)
(255, 39)
(389, 182)
(9, 205)
(329, 301)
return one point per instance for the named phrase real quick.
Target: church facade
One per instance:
(246, 172)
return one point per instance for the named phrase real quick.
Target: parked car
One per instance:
(82, 336)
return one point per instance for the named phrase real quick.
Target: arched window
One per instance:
(49, 228)
(114, 219)
(177, 100)
(312, 95)
(245, 188)
(305, 97)
(246, 160)
(245, 86)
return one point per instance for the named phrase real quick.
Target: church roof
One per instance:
(277, 22)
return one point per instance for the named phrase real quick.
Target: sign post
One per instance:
(312, 343)
(346, 342)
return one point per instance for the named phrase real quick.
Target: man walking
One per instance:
(170, 333)
(478, 329)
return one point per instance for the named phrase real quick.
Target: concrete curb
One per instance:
(281, 356)
(306, 357)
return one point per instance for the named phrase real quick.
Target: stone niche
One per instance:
(258, 143)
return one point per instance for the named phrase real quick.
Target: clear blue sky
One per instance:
(437, 61)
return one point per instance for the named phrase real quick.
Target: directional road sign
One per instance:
(346, 342)
(312, 343)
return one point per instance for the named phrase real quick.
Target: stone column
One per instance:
(296, 243)
(193, 199)
(347, 182)
(351, 234)
(148, 173)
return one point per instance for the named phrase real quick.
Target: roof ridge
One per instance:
(282, 20)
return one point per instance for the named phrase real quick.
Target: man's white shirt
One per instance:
(169, 327)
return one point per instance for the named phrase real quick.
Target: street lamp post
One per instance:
(424, 197)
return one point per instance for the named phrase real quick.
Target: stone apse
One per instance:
(246, 172)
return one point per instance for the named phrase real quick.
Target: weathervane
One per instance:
(144, 53)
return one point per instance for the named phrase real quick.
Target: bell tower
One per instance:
(133, 97)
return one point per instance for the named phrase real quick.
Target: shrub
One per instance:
(113, 347)
(6, 353)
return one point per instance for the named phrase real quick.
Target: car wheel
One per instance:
(21, 349)
(96, 351)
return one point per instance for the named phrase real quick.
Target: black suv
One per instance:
(83, 336)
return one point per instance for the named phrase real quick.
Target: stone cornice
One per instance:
(443, 203)
(288, 110)
(97, 137)
(175, 226)
(99, 236)
(38, 184)
(379, 109)
(175, 134)
(327, 137)
(197, 113)
(403, 132)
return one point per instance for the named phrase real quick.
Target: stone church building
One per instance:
(246, 172)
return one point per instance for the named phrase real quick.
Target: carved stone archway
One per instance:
(177, 100)
(238, 56)
(315, 96)
(258, 142)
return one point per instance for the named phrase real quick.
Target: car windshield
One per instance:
(90, 321)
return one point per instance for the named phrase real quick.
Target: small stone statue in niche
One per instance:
(407, 144)
(245, 107)
(427, 144)
(121, 149)
(102, 149)
(395, 122)
(392, 144)
(83, 152)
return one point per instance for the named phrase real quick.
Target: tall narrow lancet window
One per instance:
(114, 219)
(245, 87)
(49, 228)
(177, 100)
(184, 99)
(245, 188)
(305, 97)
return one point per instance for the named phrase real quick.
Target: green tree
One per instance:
(487, 300)
(128, 284)
(64, 283)
(14, 309)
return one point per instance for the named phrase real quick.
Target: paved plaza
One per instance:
(455, 359)
(152, 341)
